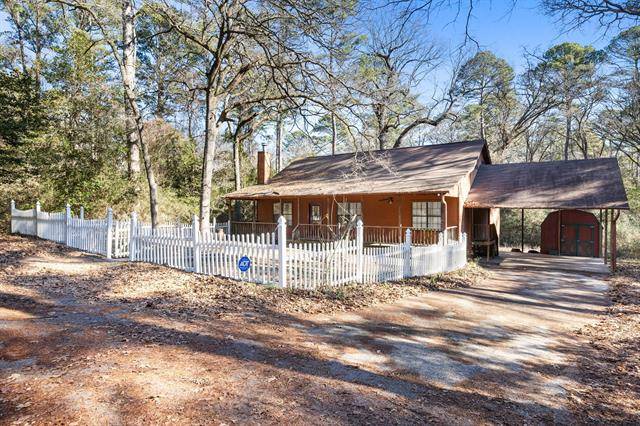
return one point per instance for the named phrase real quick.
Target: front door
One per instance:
(577, 240)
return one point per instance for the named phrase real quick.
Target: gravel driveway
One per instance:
(511, 337)
(497, 353)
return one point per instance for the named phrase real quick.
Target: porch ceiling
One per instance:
(576, 184)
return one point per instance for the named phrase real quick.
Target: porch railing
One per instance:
(371, 234)
(256, 228)
(321, 232)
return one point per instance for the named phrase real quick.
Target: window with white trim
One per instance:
(426, 214)
(283, 209)
(347, 211)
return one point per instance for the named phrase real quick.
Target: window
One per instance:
(283, 209)
(347, 211)
(243, 211)
(315, 214)
(427, 214)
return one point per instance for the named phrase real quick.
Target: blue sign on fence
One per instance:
(244, 264)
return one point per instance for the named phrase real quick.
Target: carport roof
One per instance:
(576, 184)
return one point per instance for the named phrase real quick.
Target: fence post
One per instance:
(13, 207)
(441, 239)
(67, 224)
(195, 226)
(133, 225)
(407, 254)
(109, 232)
(360, 248)
(82, 212)
(37, 213)
(282, 251)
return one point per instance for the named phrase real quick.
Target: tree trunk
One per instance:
(129, 81)
(567, 136)
(334, 134)
(210, 140)
(37, 63)
(236, 161)
(133, 117)
(382, 129)
(279, 132)
(482, 133)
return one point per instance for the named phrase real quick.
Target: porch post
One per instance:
(600, 252)
(444, 217)
(606, 237)
(614, 248)
(522, 230)
(559, 231)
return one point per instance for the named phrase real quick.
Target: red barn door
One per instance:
(579, 234)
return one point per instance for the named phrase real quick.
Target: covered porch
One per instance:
(386, 217)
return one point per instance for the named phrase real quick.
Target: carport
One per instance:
(593, 185)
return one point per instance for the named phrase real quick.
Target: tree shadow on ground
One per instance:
(247, 351)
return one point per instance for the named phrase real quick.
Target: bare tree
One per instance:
(239, 43)
(393, 63)
(607, 13)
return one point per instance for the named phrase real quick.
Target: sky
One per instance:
(499, 26)
(508, 29)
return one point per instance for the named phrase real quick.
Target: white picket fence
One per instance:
(265, 259)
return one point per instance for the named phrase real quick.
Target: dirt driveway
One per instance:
(498, 353)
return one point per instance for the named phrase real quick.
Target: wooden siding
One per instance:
(376, 209)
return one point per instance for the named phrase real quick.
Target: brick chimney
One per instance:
(264, 166)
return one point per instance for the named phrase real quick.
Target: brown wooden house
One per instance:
(450, 187)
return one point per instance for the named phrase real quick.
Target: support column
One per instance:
(444, 217)
(600, 252)
(522, 230)
(559, 230)
(614, 247)
(606, 238)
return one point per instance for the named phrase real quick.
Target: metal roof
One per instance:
(421, 169)
(575, 184)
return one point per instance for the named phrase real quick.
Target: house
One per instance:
(450, 188)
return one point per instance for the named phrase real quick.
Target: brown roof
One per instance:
(421, 169)
(576, 184)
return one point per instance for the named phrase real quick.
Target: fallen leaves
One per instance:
(179, 294)
(610, 365)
